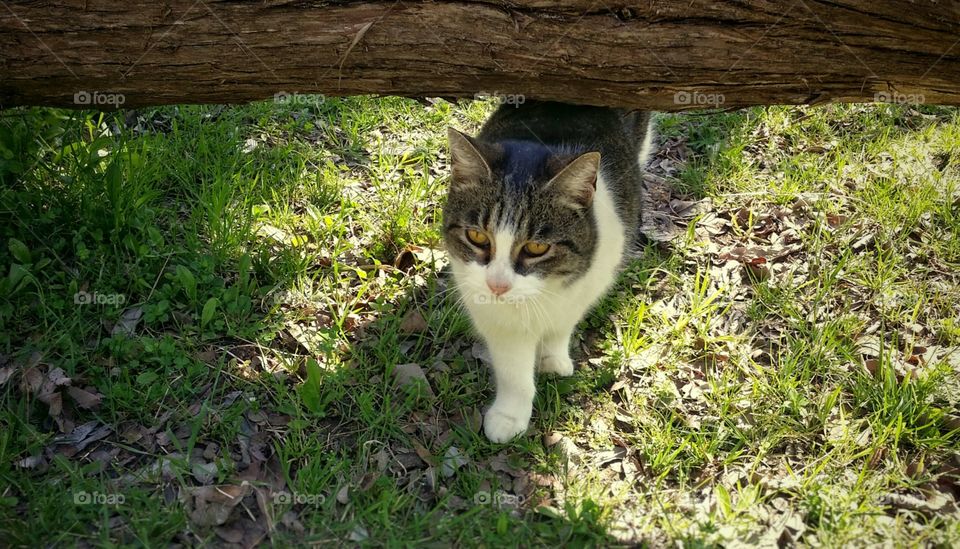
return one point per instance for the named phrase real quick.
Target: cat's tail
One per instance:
(639, 124)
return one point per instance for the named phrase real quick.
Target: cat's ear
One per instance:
(467, 163)
(577, 182)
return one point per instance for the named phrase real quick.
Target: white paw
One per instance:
(560, 365)
(501, 427)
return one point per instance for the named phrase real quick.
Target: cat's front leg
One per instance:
(513, 369)
(555, 352)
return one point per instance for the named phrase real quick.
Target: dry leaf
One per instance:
(229, 535)
(411, 375)
(480, 352)
(31, 380)
(30, 462)
(127, 324)
(308, 336)
(453, 459)
(54, 400)
(82, 436)
(5, 374)
(424, 454)
(413, 323)
(205, 473)
(552, 438)
(58, 377)
(359, 533)
(212, 505)
(84, 399)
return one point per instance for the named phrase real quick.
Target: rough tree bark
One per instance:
(668, 55)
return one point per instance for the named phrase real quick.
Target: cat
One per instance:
(541, 210)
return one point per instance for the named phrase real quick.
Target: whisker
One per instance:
(548, 320)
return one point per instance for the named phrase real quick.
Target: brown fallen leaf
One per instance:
(30, 462)
(870, 346)
(205, 473)
(405, 461)
(343, 494)
(453, 460)
(951, 422)
(412, 375)
(481, 353)
(473, 419)
(54, 401)
(128, 321)
(5, 374)
(266, 509)
(835, 220)
(658, 227)
(31, 380)
(412, 255)
(569, 450)
(368, 480)
(687, 209)
(413, 323)
(212, 505)
(58, 377)
(84, 399)
(758, 269)
(80, 437)
(278, 235)
(500, 463)
(289, 519)
(542, 480)
(405, 260)
(257, 416)
(552, 438)
(208, 356)
(229, 534)
(359, 534)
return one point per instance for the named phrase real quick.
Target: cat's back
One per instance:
(558, 124)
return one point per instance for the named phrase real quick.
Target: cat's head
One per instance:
(518, 221)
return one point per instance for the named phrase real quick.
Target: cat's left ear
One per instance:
(577, 182)
(467, 163)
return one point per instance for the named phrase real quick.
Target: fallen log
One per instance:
(648, 54)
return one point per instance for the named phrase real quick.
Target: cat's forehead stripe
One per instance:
(523, 163)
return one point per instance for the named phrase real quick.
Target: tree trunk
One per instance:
(666, 55)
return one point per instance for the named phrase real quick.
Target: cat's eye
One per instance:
(477, 238)
(536, 248)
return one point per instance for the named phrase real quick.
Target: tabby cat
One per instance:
(542, 208)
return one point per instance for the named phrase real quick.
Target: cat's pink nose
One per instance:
(498, 287)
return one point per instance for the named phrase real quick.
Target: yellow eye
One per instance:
(477, 238)
(536, 248)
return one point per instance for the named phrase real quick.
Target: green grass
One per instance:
(239, 285)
